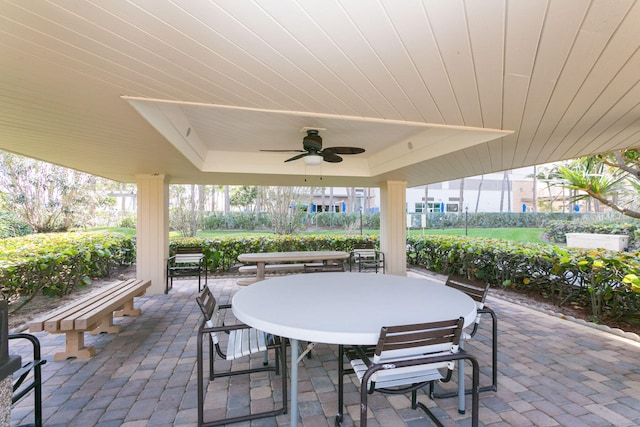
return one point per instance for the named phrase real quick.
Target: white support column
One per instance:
(152, 230)
(393, 228)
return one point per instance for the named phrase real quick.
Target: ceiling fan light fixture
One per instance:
(313, 160)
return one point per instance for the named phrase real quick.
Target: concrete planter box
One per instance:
(613, 242)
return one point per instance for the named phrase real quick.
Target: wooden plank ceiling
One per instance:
(432, 90)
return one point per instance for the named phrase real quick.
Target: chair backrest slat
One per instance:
(189, 250)
(209, 307)
(418, 339)
(475, 290)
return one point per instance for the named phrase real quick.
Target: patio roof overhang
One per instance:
(432, 90)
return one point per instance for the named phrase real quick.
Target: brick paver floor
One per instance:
(553, 372)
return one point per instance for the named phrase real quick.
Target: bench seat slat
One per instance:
(94, 312)
(271, 267)
(39, 324)
(90, 316)
(64, 321)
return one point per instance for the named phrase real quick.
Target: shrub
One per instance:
(11, 226)
(128, 222)
(557, 230)
(58, 263)
(606, 281)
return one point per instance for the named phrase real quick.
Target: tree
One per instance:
(461, 196)
(549, 176)
(479, 191)
(506, 186)
(245, 197)
(49, 197)
(285, 207)
(611, 179)
(182, 212)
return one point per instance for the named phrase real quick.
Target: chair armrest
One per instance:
(223, 328)
(360, 352)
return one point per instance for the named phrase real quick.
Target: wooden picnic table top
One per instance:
(292, 256)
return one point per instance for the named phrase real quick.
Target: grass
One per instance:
(127, 231)
(523, 235)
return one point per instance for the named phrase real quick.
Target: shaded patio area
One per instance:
(553, 372)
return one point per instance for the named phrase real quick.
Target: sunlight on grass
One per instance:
(523, 235)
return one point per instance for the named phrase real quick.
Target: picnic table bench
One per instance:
(92, 313)
(289, 262)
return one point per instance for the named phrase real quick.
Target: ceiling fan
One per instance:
(313, 153)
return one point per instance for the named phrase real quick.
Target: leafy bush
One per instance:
(236, 221)
(606, 281)
(128, 222)
(489, 219)
(12, 226)
(557, 230)
(58, 263)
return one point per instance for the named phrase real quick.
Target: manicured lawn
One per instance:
(524, 235)
(127, 231)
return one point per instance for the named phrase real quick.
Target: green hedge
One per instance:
(557, 230)
(490, 219)
(58, 263)
(12, 226)
(605, 281)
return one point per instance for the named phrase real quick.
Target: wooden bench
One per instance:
(271, 268)
(93, 313)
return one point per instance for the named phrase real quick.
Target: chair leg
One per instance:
(494, 361)
(339, 416)
(202, 385)
(364, 392)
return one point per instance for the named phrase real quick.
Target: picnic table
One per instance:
(296, 261)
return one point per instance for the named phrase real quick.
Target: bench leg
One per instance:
(75, 347)
(106, 326)
(128, 310)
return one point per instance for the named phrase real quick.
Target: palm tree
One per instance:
(479, 190)
(612, 184)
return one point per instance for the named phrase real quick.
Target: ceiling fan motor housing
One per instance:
(313, 141)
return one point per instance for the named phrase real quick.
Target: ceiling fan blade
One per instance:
(299, 156)
(283, 151)
(331, 157)
(346, 150)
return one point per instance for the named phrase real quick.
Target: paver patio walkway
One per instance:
(553, 372)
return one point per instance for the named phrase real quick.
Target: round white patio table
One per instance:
(344, 308)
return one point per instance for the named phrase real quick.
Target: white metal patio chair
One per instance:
(407, 358)
(478, 292)
(242, 341)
